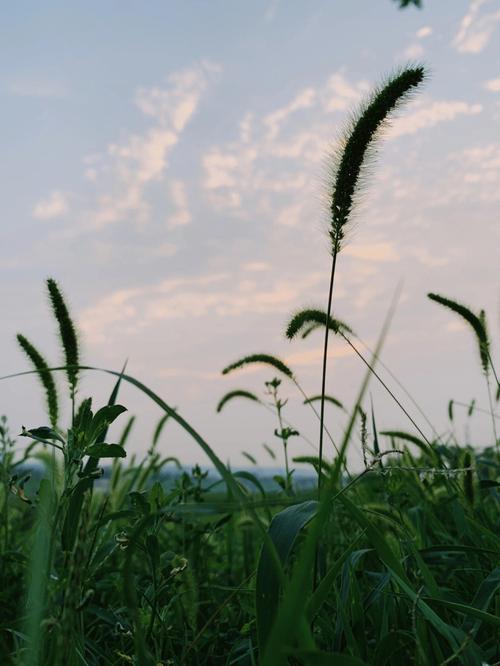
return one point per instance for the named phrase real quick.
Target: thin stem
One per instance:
(306, 397)
(493, 367)
(375, 374)
(477, 409)
(325, 355)
(492, 412)
(285, 442)
(404, 389)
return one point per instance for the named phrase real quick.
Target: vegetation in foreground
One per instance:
(397, 564)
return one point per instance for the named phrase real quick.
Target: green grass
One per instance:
(396, 564)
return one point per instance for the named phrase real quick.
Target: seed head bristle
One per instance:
(305, 321)
(358, 141)
(265, 359)
(236, 394)
(67, 332)
(478, 324)
(45, 375)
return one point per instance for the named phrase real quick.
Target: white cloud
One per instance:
(476, 29)
(55, 205)
(125, 170)
(246, 128)
(37, 87)
(272, 157)
(423, 32)
(378, 252)
(493, 85)
(292, 216)
(303, 100)
(429, 258)
(164, 250)
(182, 215)
(414, 51)
(429, 115)
(339, 94)
(486, 157)
(256, 266)
(271, 10)
(314, 356)
(481, 171)
(130, 167)
(175, 104)
(213, 294)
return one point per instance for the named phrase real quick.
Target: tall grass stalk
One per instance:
(347, 179)
(478, 325)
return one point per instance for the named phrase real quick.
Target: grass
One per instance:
(395, 564)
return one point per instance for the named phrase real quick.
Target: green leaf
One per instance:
(317, 658)
(42, 433)
(389, 645)
(106, 451)
(103, 418)
(482, 599)
(389, 558)
(481, 615)
(140, 502)
(92, 462)
(153, 548)
(488, 483)
(320, 594)
(72, 518)
(376, 537)
(284, 530)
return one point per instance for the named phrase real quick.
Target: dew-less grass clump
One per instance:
(111, 559)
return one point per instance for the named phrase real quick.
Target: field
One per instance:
(395, 564)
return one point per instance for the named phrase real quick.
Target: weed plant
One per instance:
(107, 559)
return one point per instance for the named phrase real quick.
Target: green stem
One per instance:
(325, 356)
(497, 443)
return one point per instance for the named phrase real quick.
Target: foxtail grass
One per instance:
(348, 171)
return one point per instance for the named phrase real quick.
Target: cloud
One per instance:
(378, 252)
(144, 158)
(206, 295)
(55, 205)
(37, 88)
(271, 10)
(181, 216)
(470, 176)
(174, 105)
(493, 85)
(429, 258)
(476, 29)
(274, 157)
(123, 172)
(164, 250)
(423, 32)
(414, 51)
(303, 100)
(481, 170)
(429, 115)
(339, 94)
(314, 356)
(256, 266)
(292, 216)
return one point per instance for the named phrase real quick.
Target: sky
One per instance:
(169, 164)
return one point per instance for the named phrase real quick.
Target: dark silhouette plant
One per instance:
(347, 175)
(478, 324)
